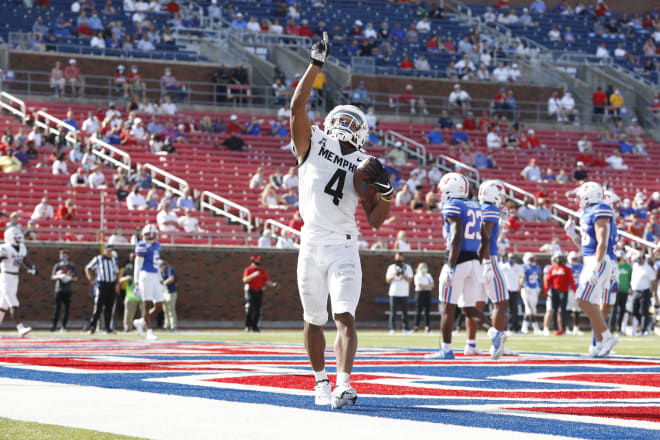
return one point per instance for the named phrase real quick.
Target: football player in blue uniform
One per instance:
(571, 305)
(596, 223)
(148, 285)
(530, 292)
(461, 276)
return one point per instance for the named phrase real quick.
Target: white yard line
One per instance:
(160, 416)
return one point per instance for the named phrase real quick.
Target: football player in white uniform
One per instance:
(12, 257)
(328, 261)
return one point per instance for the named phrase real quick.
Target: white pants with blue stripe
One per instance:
(496, 290)
(466, 287)
(593, 293)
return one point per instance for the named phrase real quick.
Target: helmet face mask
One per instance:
(492, 191)
(14, 236)
(453, 186)
(347, 123)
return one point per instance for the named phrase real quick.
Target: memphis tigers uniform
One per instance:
(11, 262)
(571, 304)
(496, 290)
(587, 291)
(465, 289)
(149, 280)
(328, 260)
(531, 287)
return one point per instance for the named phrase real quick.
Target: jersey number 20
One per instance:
(335, 186)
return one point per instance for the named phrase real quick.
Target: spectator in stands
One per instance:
(141, 177)
(501, 73)
(460, 137)
(91, 124)
(493, 139)
(625, 145)
(634, 130)
(401, 245)
(423, 26)
(639, 147)
(465, 68)
(169, 82)
(57, 80)
(411, 34)
(84, 30)
(602, 52)
(599, 100)
(166, 219)
(185, 201)
(168, 107)
(280, 127)
(653, 206)
(430, 202)
(43, 211)
(554, 34)
(526, 19)
(555, 108)
(562, 177)
(584, 144)
(416, 204)
(531, 172)
(445, 121)
(514, 73)
(580, 174)
(97, 178)
(59, 165)
(412, 100)
(403, 197)
(66, 211)
(434, 137)
(270, 199)
(79, 179)
(615, 160)
(234, 143)
(422, 64)
(406, 63)
(189, 223)
(238, 22)
(290, 180)
(276, 179)
(74, 78)
(459, 98)
(634, 225)
(552, 247)
(484, 161)
(469, 123)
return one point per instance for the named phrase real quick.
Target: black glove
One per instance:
(320, 51)
(378, 177)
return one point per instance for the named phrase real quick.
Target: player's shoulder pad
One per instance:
(490, 213)
(602, 210)
(453, 207)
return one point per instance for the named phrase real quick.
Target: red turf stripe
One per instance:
(646, 413)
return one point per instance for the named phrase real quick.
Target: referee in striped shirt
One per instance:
(105, 276)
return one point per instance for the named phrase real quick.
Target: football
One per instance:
(364, 190)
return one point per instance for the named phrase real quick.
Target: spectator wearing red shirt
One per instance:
(406, 63)
(66, 211)
(255, 278)
(484, 123)
(172, 7)
(73, 78)
(600, 100)
(512, 222)
(601, 8)
(292, 28)
(557, 281)
(469, 123)
(84, 30)
(296, 222)
(304, 30)
(534, 142)
(503, 5)
(432, 45)
(232, 126)
(542, 193)
(523, 142)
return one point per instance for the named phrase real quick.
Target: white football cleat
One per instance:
(546, 332)
(471, 351)
(343, 394)
(139, 326)
(151, 336)
(24, 331)
(593, 351)
(505, 352)
(322, 392)
(606, 345)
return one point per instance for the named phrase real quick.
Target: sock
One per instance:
(446, 347)
(607, 334)
(492, 332)
(471, 343)
(19, 326)
(342, 378)
(320, 375)
(593, 338)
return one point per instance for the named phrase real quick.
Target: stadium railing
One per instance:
(109, 154)
(208, 202)
(164, 180)
(52, 124)
(274, 225)
(412, 147)
(13, 105)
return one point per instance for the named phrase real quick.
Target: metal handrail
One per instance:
(165, 183)
(441, 158)
(517, 190)
(245, 217)
(419, 151)
(71, 136)
(102, 147)
(20, 112)
(281, 226)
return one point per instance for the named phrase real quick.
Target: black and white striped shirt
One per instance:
(106, 269)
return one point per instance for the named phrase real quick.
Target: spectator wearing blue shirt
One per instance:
(459, 136)
(75, 155)
(21, 155)
(434, 137)
(238, 22)
(532, 172)
(69, 120)
(62, 27)
(482, 160)
(279, 129)
(185, 201)
(253, 128)
(141, 178)
(353, 49)
(95, 22)
(445, 121)
(360, 95)
(464, 45)
(537, 6)
(625, 145)
(626, 209)
(397, 32)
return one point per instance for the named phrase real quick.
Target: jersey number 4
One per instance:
(335, 186)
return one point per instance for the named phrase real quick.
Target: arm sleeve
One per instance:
(92, 264)
(390, 271)
(140, 249)
(571, 280)
(265, 275)
(139, 260)
(409, 271)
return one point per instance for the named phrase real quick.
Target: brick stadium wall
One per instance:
(209, 282)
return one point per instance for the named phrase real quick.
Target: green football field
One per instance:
(638, 346)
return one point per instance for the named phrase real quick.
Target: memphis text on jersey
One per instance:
(334, 158)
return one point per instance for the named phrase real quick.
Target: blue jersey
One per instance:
(577, 270)
(491, 214)
(614, 237)
(588, 220)
(469, 212)
(151, 255)
(532, 276)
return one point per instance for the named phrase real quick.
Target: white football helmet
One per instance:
(150, 233)
(610, 197)
(453, 186)
(529, 258)
(14, 236)
(347, 123)
(573, 257)
(589, 193)
(492, 191)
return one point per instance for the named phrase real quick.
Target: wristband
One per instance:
(386, 199)
(317, 62)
